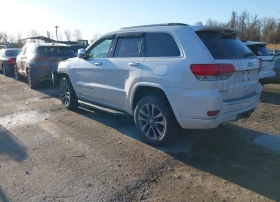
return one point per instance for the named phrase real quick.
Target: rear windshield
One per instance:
(10, 53)
(223, 46)
(260, 50)
(54, 51)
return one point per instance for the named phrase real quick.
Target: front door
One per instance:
(90, 71)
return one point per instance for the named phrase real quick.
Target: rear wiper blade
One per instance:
(248, 55)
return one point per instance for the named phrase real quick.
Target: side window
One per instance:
(128, 47)
(100, 50)
(161, 45)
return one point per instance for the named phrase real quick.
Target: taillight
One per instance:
(11, 61)
(40, 58)
(260, 64)
(213, 113)
(212, 72)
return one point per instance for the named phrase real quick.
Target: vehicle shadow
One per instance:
(238, 155)
(3, 197)
(10, 147)
(270, 96)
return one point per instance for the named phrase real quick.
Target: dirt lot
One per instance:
(48, 153)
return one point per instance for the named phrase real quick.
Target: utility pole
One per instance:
(56, 27)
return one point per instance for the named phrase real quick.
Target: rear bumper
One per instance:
(190, 123)
(39, 75)
(193, 107)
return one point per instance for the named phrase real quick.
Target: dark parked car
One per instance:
(36, 61)
(8, 59)
(76, 47)
(275, 52)
(277, 68)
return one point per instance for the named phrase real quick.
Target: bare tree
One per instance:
(19, 42)
(95, 37)
(60, 37)
(233, 21)
(52, 35)
(252, 26)
(211, 22)
(3, 37)
(268, 29)
(68, 34)
(77, 34)
(33, 33)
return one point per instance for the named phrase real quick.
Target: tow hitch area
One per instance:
(243, 115)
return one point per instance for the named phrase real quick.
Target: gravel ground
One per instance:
(48, 153)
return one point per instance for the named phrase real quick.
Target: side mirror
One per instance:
(82, 53)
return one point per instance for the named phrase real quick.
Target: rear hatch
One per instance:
(231, 53)
(48, 57)
(268, 62)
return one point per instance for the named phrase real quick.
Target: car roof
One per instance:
(48, 44)
(250, 43)
(12, 49)
(173, 26)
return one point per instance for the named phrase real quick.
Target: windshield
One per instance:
(223, 46)
(260, 50)
(11, 53)
(54, 51)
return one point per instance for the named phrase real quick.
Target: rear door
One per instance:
(262, 52)
(227, 49)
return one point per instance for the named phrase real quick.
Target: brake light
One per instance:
(212, 72)
(40, 58)
(11, 61)
(260, 65)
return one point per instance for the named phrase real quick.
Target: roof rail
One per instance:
(155, 25)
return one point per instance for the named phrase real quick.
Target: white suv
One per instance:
(197, 76)
(266, 58)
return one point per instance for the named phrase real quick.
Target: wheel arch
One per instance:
(145, 89)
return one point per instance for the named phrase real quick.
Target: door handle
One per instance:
(98, 63)
(134, 64)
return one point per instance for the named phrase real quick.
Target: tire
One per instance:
(16, 74)
(31, 81)
(4, 70)
(154, 120)
(67, 94)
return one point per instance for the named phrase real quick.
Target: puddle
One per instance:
(269, 141)
(23, 118)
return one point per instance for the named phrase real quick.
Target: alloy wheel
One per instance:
(151, 121)
(64, 93)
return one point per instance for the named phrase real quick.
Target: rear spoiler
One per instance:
(224, 30)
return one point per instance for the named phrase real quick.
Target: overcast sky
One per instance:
(92, 16)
